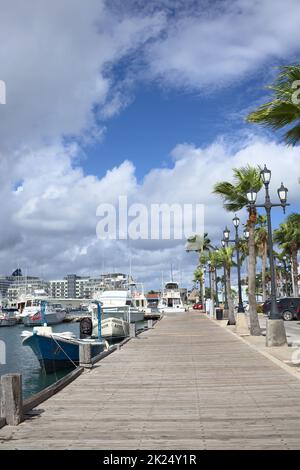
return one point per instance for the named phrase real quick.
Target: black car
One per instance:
(289, 307)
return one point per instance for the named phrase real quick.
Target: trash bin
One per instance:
(219, 313)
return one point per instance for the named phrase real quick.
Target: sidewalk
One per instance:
(282, 355)
(187, 384)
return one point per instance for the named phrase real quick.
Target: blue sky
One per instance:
(142, 99)
(157, 119)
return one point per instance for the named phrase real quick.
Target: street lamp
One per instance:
(226, 232)
(275, 335)
(223, 243)
(216, 281)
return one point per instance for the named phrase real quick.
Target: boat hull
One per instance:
(171, 310)
(51, 319)
(8, 322)
(112, 328)
(58, 353)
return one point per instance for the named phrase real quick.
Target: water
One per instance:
(21, 359)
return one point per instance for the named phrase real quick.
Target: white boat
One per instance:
(117, 312)
(139, 298)
(112, 328)
(8, 317)
(170, 301)
(32, 314)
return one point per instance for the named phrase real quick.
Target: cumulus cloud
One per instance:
(60, 64)
(50, 226)
(213, 44)
(56, 64)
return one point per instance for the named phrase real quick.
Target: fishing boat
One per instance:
(117, 312)
(8, 317)
(56, 351)
(32, 316)
(170, 301)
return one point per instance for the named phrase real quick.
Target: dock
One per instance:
(185, 384)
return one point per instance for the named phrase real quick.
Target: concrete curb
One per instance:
(287, 368)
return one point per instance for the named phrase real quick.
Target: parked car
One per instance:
(198, 306)
(289, 307)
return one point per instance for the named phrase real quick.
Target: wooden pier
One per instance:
(185, 384)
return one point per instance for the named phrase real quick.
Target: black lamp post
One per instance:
(216, 282)
(225, 283)
(226, 233)
(282, 194)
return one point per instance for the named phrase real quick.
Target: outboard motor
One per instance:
(86, 327)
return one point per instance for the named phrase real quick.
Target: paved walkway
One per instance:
(187, 384)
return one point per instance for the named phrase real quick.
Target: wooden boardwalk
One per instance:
(187, 384)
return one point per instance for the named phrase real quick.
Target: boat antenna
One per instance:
(171, 272)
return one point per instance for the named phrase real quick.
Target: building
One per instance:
(5, 282)
(24, 285)
(84, 287)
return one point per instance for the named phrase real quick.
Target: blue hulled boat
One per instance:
(56, 351)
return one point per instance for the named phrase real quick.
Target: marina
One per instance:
(186, 384)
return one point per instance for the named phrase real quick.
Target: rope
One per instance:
(64, 351)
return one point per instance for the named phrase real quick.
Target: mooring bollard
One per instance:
(150, 324)
(132, 330)
(85, 355)
(11, 399)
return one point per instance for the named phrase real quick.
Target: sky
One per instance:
(140, 99)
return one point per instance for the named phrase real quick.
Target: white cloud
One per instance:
(50, 226)
(56, 64)
(209, 47)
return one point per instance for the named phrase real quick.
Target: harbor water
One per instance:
(21, 359)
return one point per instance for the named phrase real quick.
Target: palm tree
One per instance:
(198, 277)
(235, 198)
(200, 244)
(223, 257)
(284, 109)
(211, 258)
(288, 238)
(261, 241)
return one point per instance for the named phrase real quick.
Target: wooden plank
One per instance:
(186, 384)
(48, 392)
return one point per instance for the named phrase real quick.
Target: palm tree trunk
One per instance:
(254, 323)
(294, 253)
(231, 317)
(263, 272)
